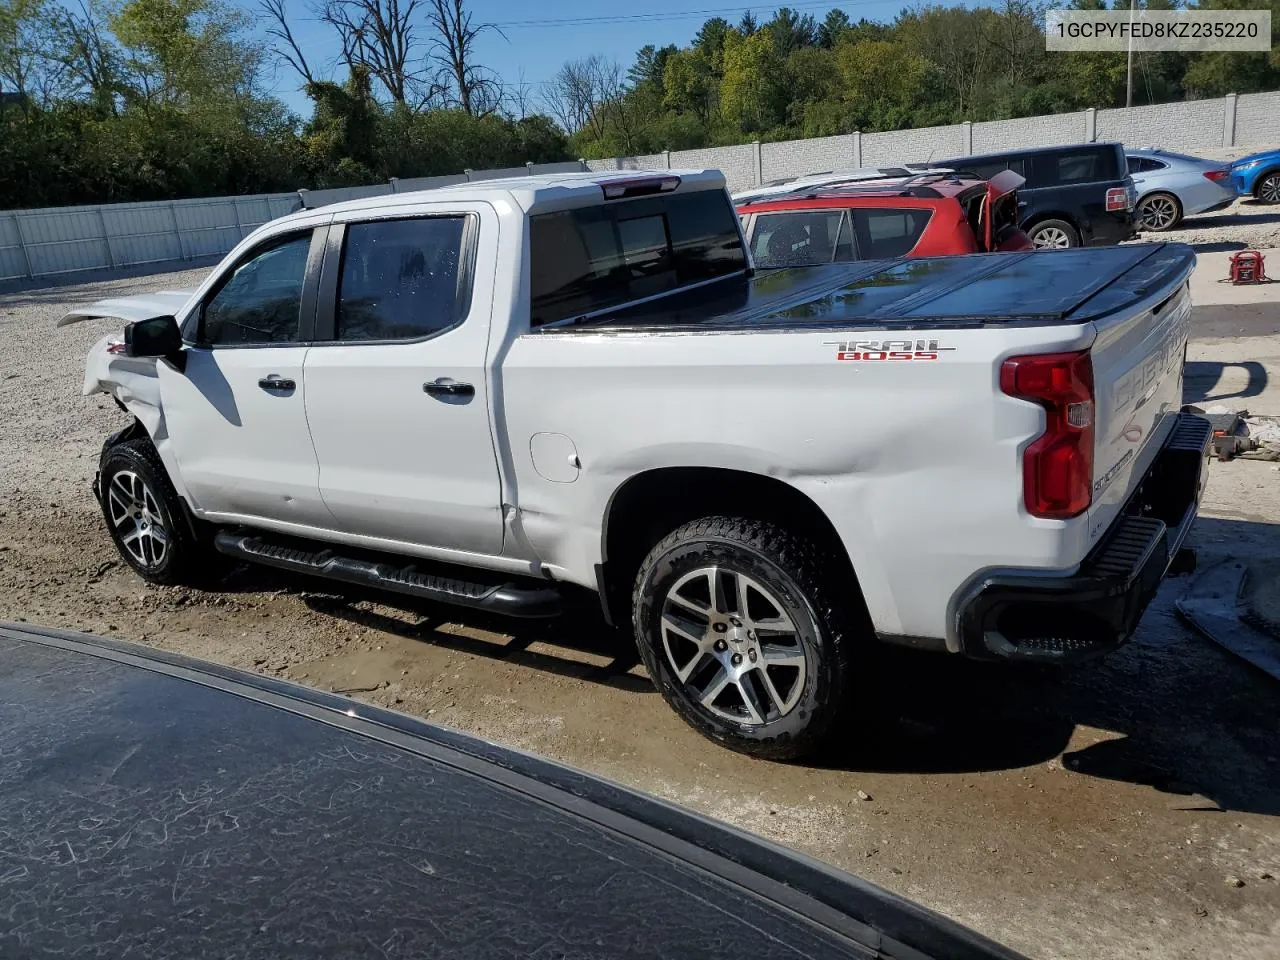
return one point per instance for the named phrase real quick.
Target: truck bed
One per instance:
(1040, 288)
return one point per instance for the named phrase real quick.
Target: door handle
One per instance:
(447, 387)
(277, 384)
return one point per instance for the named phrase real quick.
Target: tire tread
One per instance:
(809, 566)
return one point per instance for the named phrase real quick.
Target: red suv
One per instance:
(930, 215)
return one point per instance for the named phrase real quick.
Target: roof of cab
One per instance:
(541, 190)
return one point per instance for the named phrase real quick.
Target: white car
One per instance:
(491, 393)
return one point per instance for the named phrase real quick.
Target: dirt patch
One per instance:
(1096, 814)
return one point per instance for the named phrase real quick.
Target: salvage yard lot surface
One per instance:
(1129, 808)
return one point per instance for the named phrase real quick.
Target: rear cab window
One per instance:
(589, 259)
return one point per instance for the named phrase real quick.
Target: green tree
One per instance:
(881, 81)
(753, 93)
(832, 27)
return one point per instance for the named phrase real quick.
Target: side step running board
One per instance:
(511, 598)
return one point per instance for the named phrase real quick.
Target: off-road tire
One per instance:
(799, 574)
(1045, 226)
(186, 559)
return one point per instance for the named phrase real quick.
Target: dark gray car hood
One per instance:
(153, 806)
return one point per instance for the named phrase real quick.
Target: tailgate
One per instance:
(1137, 358)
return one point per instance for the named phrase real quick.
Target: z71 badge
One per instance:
(873, 350)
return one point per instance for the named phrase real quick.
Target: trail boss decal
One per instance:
(873, 350)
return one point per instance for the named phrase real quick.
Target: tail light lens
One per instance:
(1117, 198)
(1057, 469)
(1217, 176)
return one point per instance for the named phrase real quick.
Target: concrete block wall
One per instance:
(912, 146)
(1173, 126)
(1047, 131)
(1257, 119)
(793, 158)
(737, 163)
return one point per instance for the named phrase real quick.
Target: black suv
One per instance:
(1074, 196)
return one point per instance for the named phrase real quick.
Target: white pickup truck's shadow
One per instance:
(1177, 713)
(608, 657)
(1203, 381)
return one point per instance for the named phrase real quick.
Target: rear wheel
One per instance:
(742, 635)
(145, 516)
(1268, 189)
(1158, 212)
(1053, 235)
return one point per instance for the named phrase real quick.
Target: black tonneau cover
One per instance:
(154, 806)
(1043, 287)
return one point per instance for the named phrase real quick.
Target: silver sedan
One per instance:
(1172, 186)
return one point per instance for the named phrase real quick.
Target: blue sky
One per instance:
(539, 51)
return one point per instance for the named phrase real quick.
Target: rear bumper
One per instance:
(1219, 205)
(1110, 228)
(1031, 616)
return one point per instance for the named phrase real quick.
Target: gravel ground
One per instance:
(1125, 809)
(1246, 224)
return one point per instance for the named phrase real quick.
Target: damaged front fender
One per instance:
(133, 381)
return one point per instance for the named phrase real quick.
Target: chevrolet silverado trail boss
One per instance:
(488, 393)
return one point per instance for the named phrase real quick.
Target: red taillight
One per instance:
(1217, 175)
(1117, 198)
(1057, 469)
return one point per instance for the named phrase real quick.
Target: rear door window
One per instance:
(801, 238)
(593, 258)
(400, 279)
(883, 234)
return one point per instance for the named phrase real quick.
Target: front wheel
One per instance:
(145, 517)
(1053, 235)
(1268, 189)
(742, 634)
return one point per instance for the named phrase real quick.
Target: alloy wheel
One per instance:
(1157, 213)
(1269, 189)
(1051, 238)
(136, 519)
(732, 644)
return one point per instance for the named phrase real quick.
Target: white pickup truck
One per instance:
(492, 393)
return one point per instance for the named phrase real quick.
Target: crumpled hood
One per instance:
(131, 309)
(1262, 155)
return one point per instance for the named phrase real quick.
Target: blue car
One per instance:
(1258, 175)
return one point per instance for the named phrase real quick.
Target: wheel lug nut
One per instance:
(721, 645)
(719, 628)
(737, 659)
(752, 655)
(735, 621)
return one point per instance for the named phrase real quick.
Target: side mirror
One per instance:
(157, 337)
